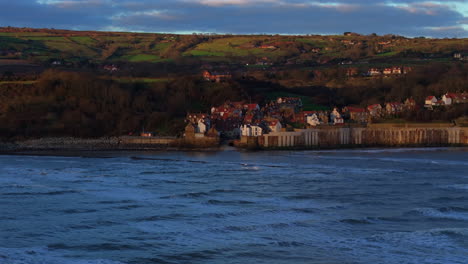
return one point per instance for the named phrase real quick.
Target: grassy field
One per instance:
(307, 102)
(387, 54)
(141, 58)
(139, 47)
(84, 40)
(234, 46)
(16, 82)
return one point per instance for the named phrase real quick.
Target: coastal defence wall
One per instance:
(386, 135)
(129, 140)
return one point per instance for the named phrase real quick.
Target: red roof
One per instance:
(451, 95)
(429, 97)
(372, 107)
(273, 123)
(252, 106)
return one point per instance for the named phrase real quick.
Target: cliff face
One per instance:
(371, 136)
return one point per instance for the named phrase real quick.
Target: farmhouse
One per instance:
(397, 70)
(374, 72)
(268, 47)
(449, 98)
(387, 71)
(216, 76)
(430, 101)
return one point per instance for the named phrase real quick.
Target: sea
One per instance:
(385, 206)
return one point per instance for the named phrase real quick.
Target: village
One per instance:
(241, 121)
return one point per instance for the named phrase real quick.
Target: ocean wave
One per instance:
(186, 195)
(40, 193)
(379, 150)
(450, 213)
(234, 202)
(450, 199)
(168, 159)
(41, 255)
(356, 221)
(93, 247)
(451, 232)
(160, 217)
(457, 186)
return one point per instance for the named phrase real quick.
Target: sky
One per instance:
(410, 18)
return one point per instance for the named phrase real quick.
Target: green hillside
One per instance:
(42, 46)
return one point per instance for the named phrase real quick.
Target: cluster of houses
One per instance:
(395, 70)
(236, 119)
(446, 100)
(375, 72)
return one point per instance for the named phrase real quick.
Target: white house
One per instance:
(374, 72)
(202, 126)
(313, 120)
(251, 131)
(275, 126)
(335, 117)
(430, 100)
(447, 99)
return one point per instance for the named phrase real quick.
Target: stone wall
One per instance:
(148, 141)
(202, 142)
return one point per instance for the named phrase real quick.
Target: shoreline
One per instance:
(101, 153)
(67, 146)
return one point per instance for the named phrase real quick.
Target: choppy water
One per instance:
(369, 206)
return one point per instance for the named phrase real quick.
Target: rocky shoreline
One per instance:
(64, 144)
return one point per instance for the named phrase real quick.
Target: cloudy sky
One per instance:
(404, 17)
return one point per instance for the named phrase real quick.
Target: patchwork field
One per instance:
(47, 45)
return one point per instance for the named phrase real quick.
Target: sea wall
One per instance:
(133, 140)
(66, 143)
(201, 142)
(330, 137)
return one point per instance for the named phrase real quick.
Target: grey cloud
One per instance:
(407, 17)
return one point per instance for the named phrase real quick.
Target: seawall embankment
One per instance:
(379, 135)
(108, 143)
